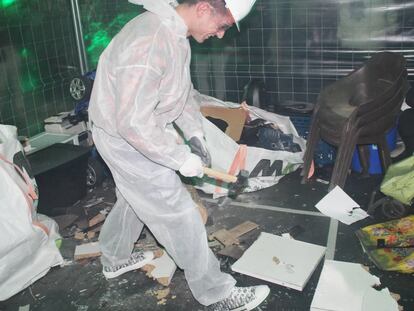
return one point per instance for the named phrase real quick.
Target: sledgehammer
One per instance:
(237, 183)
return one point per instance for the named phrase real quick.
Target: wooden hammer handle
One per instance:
(219, 175)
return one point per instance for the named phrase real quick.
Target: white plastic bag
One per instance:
(266, 167)
(27, 245)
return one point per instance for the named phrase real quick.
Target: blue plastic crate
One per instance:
(374, 158)
(324, 153)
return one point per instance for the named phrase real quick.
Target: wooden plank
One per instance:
(87, 250)
(243, 228)
(96, 219)
(229, 237)
(79, 235)
(232, 251)
(224, 237)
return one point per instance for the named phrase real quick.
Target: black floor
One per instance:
(81, 286)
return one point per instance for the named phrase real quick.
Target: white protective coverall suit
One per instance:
(142, 85)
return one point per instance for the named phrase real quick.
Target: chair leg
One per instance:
(310, 145)
(363, 153)
(347, 163)
(343, 159)
(313, 140)
(384, 153)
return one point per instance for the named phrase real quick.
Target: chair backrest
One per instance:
(385, 66)
(366, 88)
(385, 95)
(388, 109)
(377, 76)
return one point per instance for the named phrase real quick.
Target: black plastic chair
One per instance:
(357, 110)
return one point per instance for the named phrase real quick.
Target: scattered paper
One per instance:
(347, 286)
(337, 204)
(279, 260)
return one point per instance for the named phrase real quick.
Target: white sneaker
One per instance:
(242, 298)
(136, 261)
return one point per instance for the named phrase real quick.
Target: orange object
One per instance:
(311, 170)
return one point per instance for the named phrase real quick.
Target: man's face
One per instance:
(210, 23)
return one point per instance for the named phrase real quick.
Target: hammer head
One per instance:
(242, 182)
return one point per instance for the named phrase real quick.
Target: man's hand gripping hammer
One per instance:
(236, 183)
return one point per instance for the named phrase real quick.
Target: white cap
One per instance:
(239, 9)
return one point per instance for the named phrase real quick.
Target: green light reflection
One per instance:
(99, 34)
(6, 3)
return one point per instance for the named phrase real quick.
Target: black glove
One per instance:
(198, 147)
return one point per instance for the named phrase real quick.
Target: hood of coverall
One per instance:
(160, 7)
(239, 9)
(165, 10)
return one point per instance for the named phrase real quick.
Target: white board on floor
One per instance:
(347, 286)
(280, 260)
(339, 205)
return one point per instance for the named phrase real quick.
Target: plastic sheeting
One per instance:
(27, 246)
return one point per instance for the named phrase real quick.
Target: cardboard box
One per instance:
(234, 117)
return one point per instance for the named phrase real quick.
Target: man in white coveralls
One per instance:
(142, 85)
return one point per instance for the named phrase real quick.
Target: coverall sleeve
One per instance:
(190, 121)
(136, 98)
(205, 100)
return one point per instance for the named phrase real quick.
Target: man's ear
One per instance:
(203, 8)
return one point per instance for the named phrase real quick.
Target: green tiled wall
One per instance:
(38, 54)
(37, 60)
(296, 46)
(101, 20)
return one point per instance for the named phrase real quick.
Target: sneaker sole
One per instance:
(255, 303)
(111, 275)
